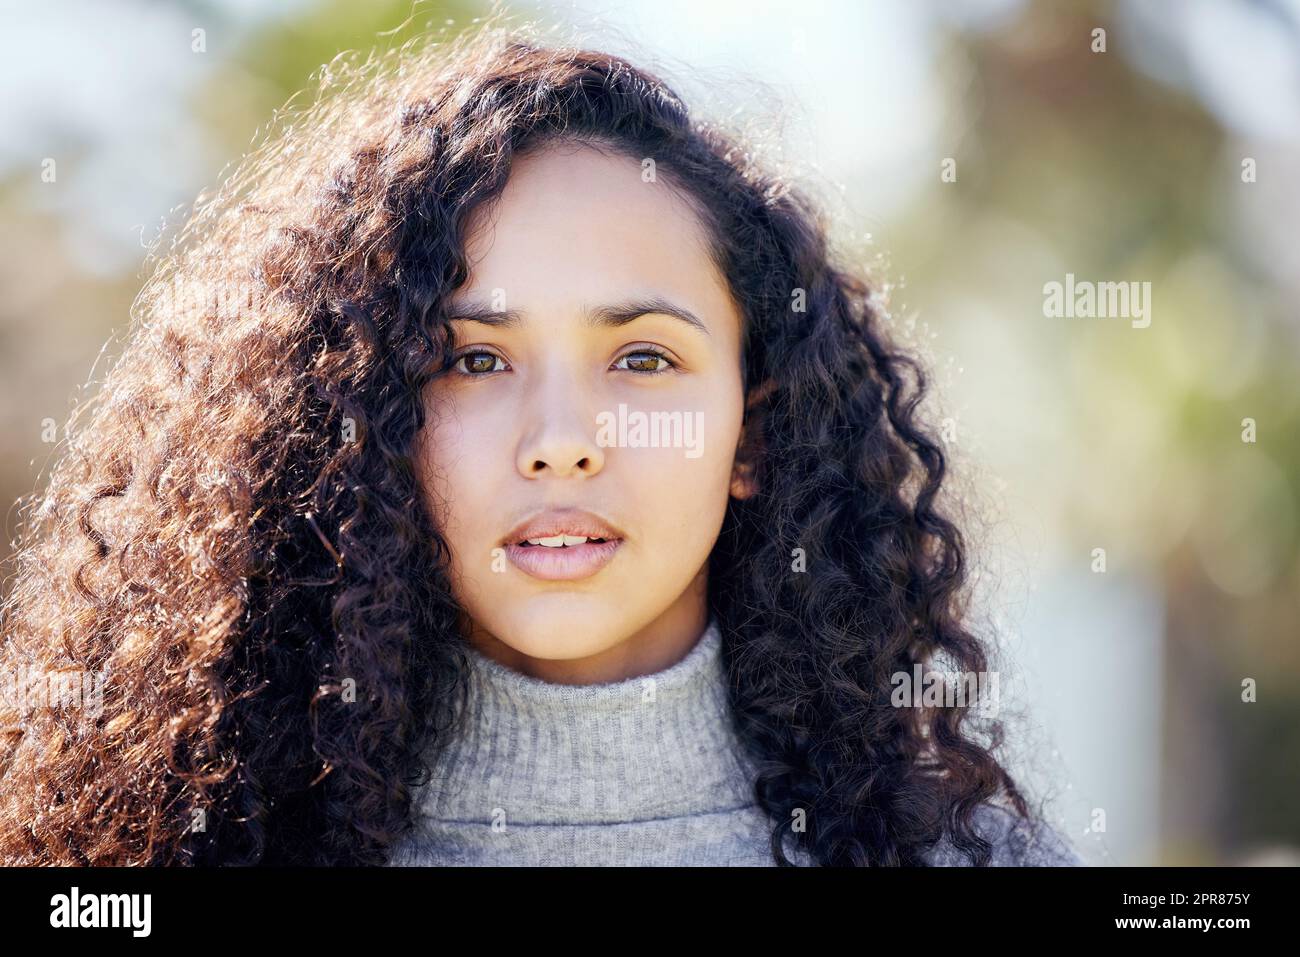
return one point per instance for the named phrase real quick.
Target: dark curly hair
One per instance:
(234, 534)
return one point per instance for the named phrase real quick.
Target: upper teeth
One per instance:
(557, 541)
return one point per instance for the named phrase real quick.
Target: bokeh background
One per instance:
(1071, 435)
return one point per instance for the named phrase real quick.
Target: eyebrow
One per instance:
(611, 315)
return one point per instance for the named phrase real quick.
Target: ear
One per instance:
(743, 482)
(750, 447)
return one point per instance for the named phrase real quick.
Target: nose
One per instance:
(560, 433)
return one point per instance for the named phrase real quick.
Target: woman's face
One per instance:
(543, 426)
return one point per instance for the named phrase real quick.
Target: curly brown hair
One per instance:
(234, 535)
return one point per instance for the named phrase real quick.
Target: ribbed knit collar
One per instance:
(535, 752)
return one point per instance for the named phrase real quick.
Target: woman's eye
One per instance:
(645, 361)
(477, 363)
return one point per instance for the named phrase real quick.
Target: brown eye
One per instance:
(646, 361)
(477, 363)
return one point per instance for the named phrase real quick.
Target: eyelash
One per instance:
(648, 351)
(643, 351)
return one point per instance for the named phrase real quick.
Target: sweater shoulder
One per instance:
(1017, 842)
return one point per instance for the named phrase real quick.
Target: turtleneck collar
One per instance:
(529, 751)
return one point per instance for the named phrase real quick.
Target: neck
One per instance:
(643, 748)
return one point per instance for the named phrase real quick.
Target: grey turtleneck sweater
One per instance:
(645, 771)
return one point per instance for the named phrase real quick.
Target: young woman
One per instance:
(502, 470)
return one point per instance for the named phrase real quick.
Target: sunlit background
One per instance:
(1173, 157)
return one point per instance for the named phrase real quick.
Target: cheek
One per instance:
(680, 497)
(450, 475)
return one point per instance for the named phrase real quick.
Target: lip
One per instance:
(561, 521)
(572, 562)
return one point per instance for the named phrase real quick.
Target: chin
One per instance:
(561, 633)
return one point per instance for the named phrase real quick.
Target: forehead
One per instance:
(575, 218)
